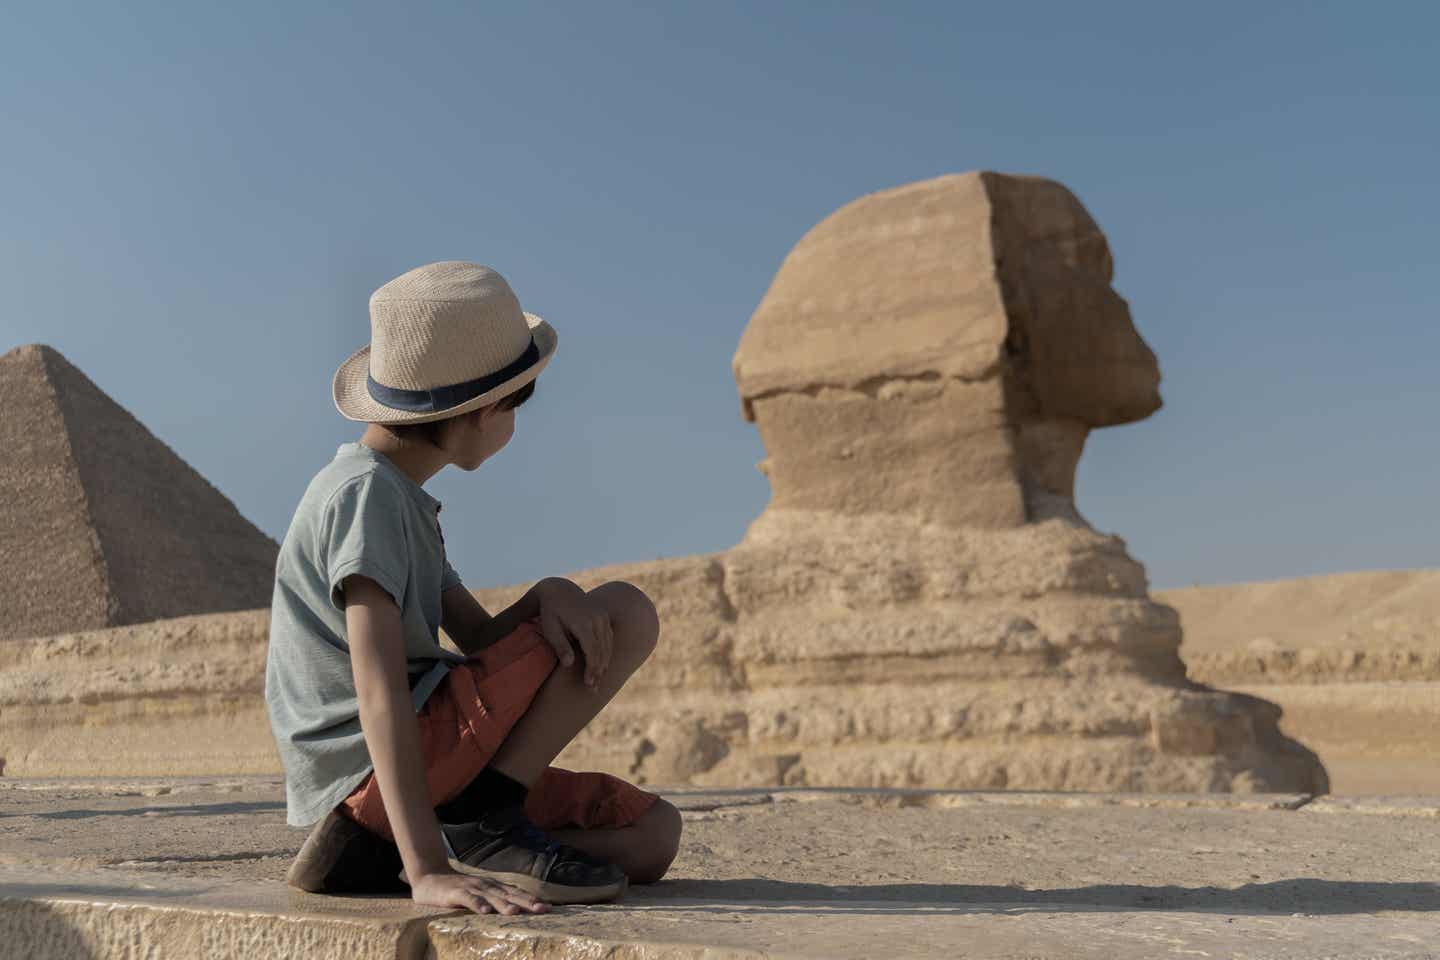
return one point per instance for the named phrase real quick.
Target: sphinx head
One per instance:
(941, 350)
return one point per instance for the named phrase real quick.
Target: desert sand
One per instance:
(1352, 659)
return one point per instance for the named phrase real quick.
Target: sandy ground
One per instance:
(1352, 659)
(1345, 610)
(803, 873)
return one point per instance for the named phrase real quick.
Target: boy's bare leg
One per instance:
(644, 850)
(564, 704)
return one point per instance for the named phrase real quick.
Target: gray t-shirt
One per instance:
(360, 515)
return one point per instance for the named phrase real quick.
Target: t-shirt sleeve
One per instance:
(449, 578)
(363, 533)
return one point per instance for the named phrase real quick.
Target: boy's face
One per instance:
(476, 437)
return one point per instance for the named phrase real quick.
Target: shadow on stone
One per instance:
(38, 893)
(189, 810)
(1299, 895)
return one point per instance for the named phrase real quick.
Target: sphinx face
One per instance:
(1072, 347)
(1074, 362)
(1083, 358)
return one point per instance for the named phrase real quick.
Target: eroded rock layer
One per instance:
(170, 697)
(1023, 659)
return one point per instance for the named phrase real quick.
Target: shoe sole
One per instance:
(556, 893)
(559, 894)
(323, 847)
(320, 852)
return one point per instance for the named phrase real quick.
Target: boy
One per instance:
(457, 795)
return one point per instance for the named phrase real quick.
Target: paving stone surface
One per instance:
(193, 867)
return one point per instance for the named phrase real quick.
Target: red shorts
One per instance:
(466, 719)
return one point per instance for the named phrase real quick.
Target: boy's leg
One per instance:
(564, 705)
(644, 849)
(561, 708)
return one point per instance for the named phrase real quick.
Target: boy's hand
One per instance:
(450, 889)
(567, 614)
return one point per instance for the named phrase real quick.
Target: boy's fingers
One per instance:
(602, 651)
(521, 898)
(585, 637)
(493, 900)
(555, 635)
(606, 644)
(498, 903)
(599, 635)
(592, 657)
(609, 641)
(525, 901)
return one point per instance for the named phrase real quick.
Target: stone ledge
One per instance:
(147, 868)
(106, 913)
(84, 917)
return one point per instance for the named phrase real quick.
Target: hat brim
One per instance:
(353, 400)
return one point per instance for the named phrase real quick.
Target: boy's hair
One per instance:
(432, 431)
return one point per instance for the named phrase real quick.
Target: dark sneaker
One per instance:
(340, 856)
(506, 847)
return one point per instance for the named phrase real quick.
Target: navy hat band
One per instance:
(443, 398)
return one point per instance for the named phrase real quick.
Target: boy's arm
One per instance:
(473, 629)
(464, 620)
(566, 613)
(392, 734)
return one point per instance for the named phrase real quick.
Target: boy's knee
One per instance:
(633, 610)
(663, 829)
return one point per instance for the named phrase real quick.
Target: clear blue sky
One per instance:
(196, 203)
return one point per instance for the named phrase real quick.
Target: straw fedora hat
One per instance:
(445, 338)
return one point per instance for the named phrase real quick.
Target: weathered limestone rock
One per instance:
(101, 524)
(171, 697)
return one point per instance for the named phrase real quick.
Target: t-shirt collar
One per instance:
(358, 449)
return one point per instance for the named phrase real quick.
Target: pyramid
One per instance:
(101, 523)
